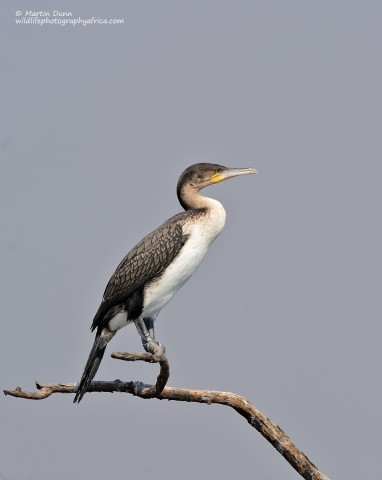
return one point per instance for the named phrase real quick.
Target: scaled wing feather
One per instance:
(143, 263)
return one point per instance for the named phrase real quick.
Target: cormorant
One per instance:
(154, 270)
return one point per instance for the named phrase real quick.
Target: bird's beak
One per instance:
(232, 172)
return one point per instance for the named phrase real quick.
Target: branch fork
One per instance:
(154, 354)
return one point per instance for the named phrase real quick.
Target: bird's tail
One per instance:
(101, 340)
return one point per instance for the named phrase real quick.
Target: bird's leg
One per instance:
(149, 322)
(140, 325)
(145, 328)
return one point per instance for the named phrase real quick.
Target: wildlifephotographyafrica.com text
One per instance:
(63, 18)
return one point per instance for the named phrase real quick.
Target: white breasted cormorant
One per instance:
(154, 270)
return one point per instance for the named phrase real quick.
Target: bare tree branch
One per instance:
(272, 432)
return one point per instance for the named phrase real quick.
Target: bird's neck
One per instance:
(212, 211)
(190, 199)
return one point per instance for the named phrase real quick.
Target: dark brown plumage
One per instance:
(143, 263)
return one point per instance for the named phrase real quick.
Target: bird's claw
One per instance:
(156, 349)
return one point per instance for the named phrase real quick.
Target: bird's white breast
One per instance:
(201, 232)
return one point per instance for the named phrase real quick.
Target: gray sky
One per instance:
(97, 123)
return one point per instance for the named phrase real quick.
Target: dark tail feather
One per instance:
(94, 360)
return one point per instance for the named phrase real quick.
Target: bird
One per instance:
(160, 264)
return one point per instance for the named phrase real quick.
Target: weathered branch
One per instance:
(149, 391)
(272, 432)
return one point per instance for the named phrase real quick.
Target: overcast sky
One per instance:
(97, 124)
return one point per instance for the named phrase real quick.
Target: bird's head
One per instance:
(201, 175)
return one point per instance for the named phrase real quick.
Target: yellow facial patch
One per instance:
(217, 177)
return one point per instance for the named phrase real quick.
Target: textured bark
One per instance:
(272, 432)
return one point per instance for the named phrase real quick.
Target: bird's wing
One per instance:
(144, 262)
